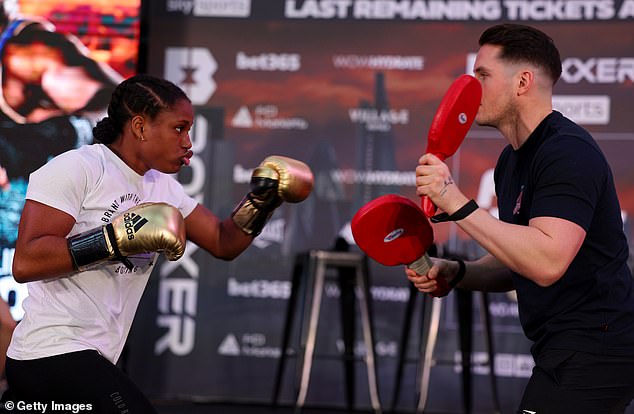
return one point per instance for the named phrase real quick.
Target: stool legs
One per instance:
(298, 269)
(368, 336)
(402, 344)
(491, 351)
(309, 348)
(315, 264)
(347, 277)
(429, 344)
(429, 333)
(464, 301)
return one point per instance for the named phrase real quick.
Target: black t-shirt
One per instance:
(561, 172)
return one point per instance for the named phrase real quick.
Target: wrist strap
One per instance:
(88, 247)
(460, 214)
(93, 246)
(462, 270)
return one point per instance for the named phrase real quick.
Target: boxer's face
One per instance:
(167, 145)
(497, 79)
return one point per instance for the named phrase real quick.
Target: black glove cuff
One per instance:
(251, 215)
(88, 247)
(462, 270)
(92, 247)
(460, 214)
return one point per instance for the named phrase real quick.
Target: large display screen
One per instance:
(60, 60)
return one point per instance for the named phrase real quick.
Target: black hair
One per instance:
(138, 95)
(522, 43)
(4, 16)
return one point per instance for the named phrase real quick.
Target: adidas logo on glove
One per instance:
(133, 223)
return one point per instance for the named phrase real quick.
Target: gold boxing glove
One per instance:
(148, 227)
(276, 179)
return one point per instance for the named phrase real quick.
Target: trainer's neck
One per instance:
(518, 131)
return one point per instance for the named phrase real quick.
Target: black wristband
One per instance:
(91, 247)
(88, 247)
(462, 270)
(460, 214)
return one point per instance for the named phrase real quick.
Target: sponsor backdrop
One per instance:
(350, 88)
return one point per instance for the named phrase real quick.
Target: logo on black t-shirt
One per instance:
(518, 202)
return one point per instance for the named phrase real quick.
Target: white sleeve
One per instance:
(60, 183)
(181, 200)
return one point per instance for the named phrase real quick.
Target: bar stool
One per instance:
(430, 323)
(309, 275)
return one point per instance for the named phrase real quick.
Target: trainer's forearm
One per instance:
(487, 274)
(523, 249)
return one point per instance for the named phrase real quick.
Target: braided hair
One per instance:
(138, 95)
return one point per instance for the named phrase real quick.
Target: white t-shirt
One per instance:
(92, 309)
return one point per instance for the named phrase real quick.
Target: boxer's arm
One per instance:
(275, 180)
(222, 238)
(146, 227)
(41, 250)
(44, 252)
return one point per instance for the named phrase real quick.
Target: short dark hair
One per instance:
(138, 95)
(4, 16)
(522, 43)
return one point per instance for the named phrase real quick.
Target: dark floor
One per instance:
(218, 408)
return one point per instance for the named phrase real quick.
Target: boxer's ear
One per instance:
(136, 124)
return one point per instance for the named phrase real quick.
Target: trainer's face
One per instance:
(168, 146)
(498, 92)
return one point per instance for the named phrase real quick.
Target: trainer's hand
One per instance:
(148, 227)
(275, 180)
(436, 281)
(434, 180)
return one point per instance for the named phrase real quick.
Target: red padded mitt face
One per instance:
(454, 116)
(392, 230)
